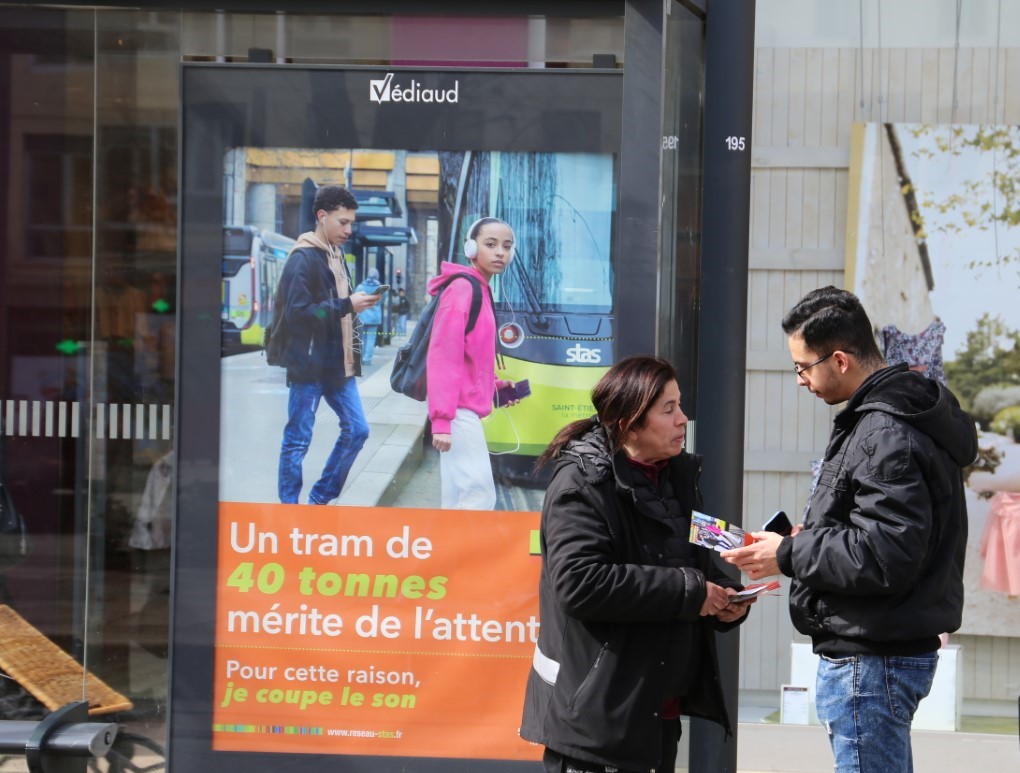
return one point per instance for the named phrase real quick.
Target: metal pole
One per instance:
(729, 70)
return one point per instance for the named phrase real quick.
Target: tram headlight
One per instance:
(511, 335)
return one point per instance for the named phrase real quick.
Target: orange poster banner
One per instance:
(374, 631)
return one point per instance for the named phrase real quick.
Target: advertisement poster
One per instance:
(933, 251)
(377, 626)
(466, 623)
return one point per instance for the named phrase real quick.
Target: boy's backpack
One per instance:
(409, 374)
(274, 336)
(272, 342)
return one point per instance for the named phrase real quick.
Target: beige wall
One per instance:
(805, 102)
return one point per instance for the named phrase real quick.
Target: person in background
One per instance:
(461, 367)
(629, 606)
(403, 312)
(877, 565)
(370, 318)
(320, 351)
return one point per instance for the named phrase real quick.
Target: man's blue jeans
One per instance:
(345, 401)
(866, 703)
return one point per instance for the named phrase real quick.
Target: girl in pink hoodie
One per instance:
(461, 368)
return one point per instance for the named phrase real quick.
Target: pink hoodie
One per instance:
(461, 370)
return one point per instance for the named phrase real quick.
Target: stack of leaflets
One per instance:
(756, 589)
(716, 534)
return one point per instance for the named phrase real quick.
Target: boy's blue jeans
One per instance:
(345, 401)
(866, 703)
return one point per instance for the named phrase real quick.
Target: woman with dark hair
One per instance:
(628, 605)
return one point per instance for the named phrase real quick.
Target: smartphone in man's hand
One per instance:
(779, 523)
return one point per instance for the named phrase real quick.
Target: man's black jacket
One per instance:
(878, 568)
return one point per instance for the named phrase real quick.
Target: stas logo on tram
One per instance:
(582, 355)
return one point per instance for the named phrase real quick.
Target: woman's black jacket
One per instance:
(618, 621)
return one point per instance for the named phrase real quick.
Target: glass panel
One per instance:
(46, 137)
(137, 86)
(684, 79)
(406, 40)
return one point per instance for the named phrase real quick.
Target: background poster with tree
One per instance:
(933, 251)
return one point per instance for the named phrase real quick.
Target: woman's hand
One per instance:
(361, 301)
(735, 610)
(717, 598)
(442, 442)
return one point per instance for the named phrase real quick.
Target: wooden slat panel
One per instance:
(800, 158)
(798, 258)
(761, 185)
(1011, 86)
(829, 107)
(777, 208)
(968, 98)
(979, 86)
(842, 183)
(894, 85)
(795, 101)
(763, 87)
(757, 309)
(779, 105)
(754, 414)
(774, 382)
(945, 89)
(810, 193)
(999, 78)
(827, 213)
(794, 230)
(778, 461)
(929, 80)
(814, 73)
(846, 97)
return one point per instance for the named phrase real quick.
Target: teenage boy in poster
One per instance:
(320, 351)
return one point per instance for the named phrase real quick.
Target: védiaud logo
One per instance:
(385, 90)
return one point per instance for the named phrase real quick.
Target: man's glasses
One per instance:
(799, 370)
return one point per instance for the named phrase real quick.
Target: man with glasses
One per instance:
(877, 565)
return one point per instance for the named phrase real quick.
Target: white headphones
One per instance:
(471, 246)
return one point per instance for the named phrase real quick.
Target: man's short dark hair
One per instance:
(333, 197)
(829, 319)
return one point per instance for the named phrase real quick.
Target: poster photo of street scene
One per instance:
(553, 306)
(933, 251)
